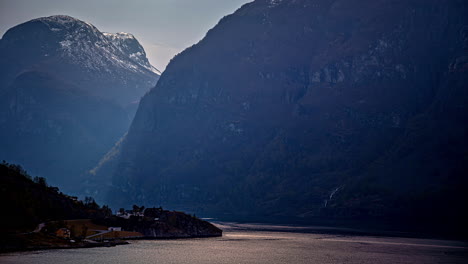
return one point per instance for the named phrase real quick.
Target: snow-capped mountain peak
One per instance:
(79, 52)
(82, 43)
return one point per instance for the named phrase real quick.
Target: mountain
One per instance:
(308, 109)
(110, 66)
(55, 128)
(67, 94)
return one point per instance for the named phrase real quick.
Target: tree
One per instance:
(88, 200)
(54, 189)
(136, 209)
(90, 203)
(41, 181)
(107, 211)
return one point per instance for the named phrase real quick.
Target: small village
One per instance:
(86, 230)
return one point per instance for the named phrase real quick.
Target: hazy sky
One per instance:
(164, 27)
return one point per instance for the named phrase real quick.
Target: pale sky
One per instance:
(163, 27)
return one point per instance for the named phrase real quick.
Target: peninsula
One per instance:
(41, 217)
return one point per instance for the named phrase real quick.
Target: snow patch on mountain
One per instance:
(128, 44)
(83, 43)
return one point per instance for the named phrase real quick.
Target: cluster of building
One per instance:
(128, 213)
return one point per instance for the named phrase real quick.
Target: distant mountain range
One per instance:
(304, 109)
(68, 93)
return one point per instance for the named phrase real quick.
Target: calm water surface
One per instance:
(251, 244)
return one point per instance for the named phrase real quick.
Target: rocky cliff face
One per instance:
(67, 94)
(285, 106)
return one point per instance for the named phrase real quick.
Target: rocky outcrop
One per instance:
(179, 225)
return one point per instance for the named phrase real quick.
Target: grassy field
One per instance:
(78, 226)
(85, 222)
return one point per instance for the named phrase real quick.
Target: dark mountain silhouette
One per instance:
(310, 109)
(303, 109)
(67, 94)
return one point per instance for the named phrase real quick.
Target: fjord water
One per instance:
(261, 244)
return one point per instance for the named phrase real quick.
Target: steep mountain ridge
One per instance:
(300, 109)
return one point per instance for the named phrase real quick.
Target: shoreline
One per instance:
(230, 227)
(95, 244)
(353, 229)
(67, 246)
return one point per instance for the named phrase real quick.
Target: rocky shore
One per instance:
(159, 223)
